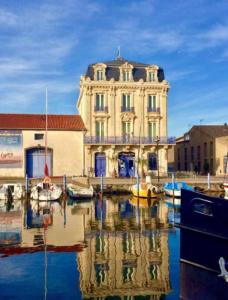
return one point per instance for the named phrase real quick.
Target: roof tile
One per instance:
(37, 121)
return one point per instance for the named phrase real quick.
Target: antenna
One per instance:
(118, 53)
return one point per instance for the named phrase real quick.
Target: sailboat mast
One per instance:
(46, 125)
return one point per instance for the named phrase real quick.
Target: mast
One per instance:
(46, 127)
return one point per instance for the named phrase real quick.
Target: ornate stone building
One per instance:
(124, 107)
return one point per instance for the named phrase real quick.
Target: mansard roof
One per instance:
(113, 71)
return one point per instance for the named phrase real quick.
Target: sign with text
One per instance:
(11, 151)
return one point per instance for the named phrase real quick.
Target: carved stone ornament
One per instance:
(127, 117)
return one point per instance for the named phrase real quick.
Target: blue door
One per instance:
(35, 162)
(152, 161)
(126, 164)
(100, 164)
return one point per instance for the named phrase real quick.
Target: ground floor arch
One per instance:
(126, 164)
(35, 162)
(100, 164)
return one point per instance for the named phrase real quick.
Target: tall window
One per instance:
(211, 148)
(205, 149)
(99, 75)
(185, 153)
(99, 102)
(192, 153)
(126, 102)
(126, 130)
(151, 76)
(126, 76)
(152, 130)
(152, 103)
(99, 130)
(198, 152)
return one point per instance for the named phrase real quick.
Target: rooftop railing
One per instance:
(126, 140)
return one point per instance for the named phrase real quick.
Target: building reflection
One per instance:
(127, 250)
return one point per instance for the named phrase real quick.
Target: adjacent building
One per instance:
(203, 149)
(22, 145)
(124, 107)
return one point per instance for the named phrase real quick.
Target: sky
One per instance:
(50, 43)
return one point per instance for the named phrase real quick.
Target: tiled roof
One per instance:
(112, 70)
(37, 121)
(212, 130)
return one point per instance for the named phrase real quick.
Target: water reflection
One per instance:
(127, 252)
(121, 244)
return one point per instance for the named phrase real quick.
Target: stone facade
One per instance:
(203, 149)
(124, 107)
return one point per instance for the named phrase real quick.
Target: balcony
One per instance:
(153, 109)
(127, 109)
(128, 140)
(101, 108)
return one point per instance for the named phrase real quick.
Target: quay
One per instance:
(122, 185)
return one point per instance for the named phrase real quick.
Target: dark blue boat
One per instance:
(204, 229)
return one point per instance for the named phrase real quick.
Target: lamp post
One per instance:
(157, 140)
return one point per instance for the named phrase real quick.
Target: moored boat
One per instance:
(14, 189)
(79, 192)
(46, 191)
(146, 190)
(204, 235)
(174, 188)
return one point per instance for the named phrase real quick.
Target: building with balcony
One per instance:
(203, 149)
(124, 108)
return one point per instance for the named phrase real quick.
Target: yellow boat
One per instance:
(146, 190)
(143, 202)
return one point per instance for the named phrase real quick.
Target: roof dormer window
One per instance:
(126, 76)
(151, 76)
(152, 73)
(100, 75)
(99, 71)
(126, 72)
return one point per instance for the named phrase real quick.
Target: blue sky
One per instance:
(50, 43)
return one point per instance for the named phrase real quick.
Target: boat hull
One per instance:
(204, 235)
(141, 193)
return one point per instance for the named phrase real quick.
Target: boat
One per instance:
(11, 189)
(46, 190)
(146, 190)
(204, 235)
(174, 188)
(79, 192)
(143, 202)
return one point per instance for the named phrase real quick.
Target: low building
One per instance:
(22, 145)
(124, 107)
(203, 149)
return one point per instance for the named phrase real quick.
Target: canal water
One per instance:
(110, 248)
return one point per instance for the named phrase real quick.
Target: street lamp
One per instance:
(157, 140)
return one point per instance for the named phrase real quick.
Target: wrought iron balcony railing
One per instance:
(127, 109)
(101, 108)
(153, 109)
(128, 140)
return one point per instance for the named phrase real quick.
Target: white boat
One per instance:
(79, 192)
(174, 188)
(225, 185)
(16, 190)
(46, 191)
